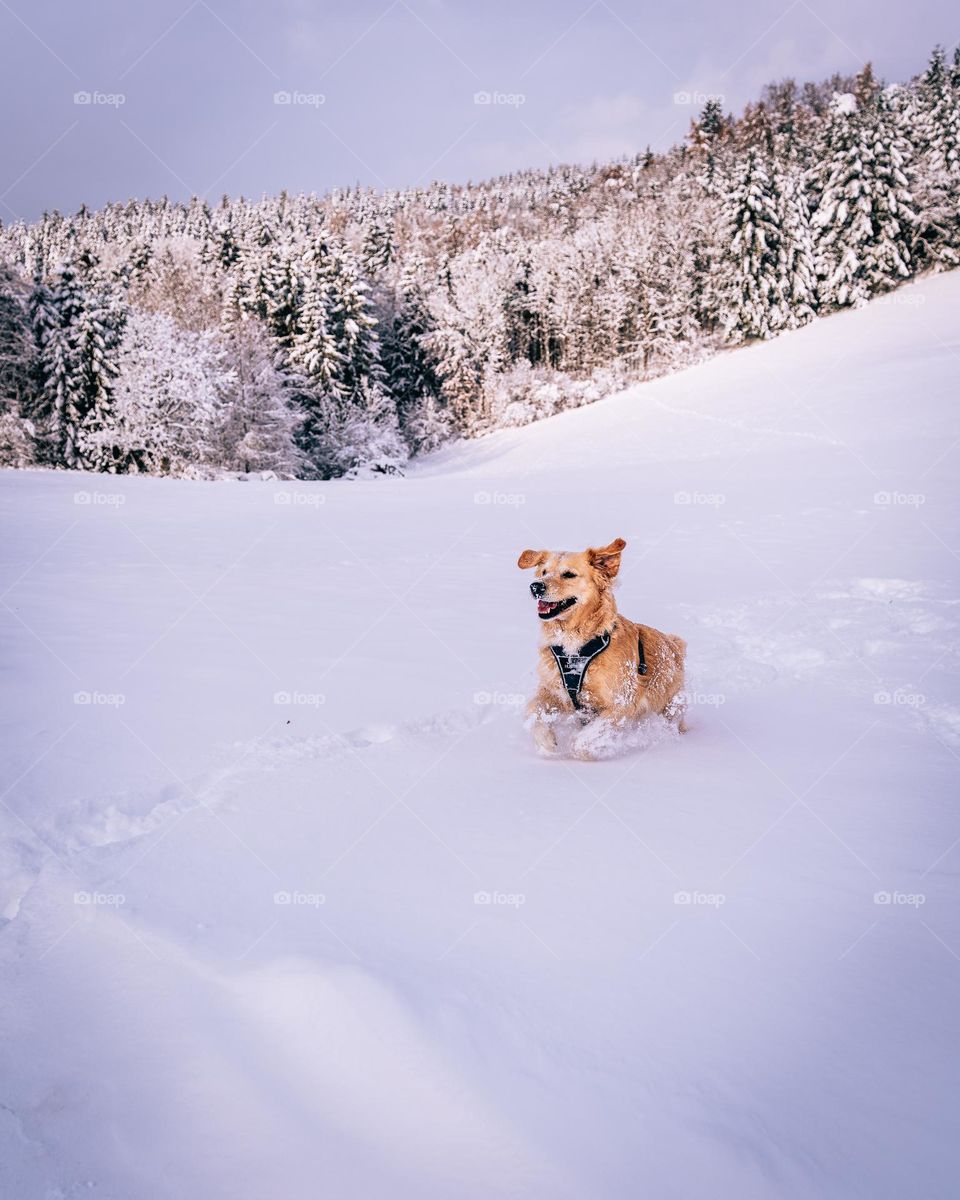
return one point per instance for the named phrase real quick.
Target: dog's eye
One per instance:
(568, 575)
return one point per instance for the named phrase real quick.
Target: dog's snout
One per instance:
(537, 588)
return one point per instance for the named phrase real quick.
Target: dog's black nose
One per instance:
(538, 588)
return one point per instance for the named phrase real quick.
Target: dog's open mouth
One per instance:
(552, 608)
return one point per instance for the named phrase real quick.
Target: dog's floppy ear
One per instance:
(606, 559)
(531, 558)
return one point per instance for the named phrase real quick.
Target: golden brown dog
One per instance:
(594, 662)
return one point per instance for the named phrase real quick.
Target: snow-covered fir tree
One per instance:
(929, 119)
(377, 249)
(755, 305)
(78, 328)
(796, 266)
(894, 217)
(843, 218)
(365, 438)
(939, 125)
(314, 351)
(353, 325)
(411, 367)
(18, 373)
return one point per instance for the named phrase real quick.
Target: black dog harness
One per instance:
(573, 667)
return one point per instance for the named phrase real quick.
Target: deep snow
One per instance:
(293, 909)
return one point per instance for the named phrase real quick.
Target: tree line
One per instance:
(316, 337)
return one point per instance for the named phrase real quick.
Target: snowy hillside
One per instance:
(293, 909)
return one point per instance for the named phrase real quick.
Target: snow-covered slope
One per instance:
(294, 910)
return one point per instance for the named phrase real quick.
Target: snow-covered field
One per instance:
(293, 909)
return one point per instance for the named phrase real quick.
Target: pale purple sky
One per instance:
(182, 92)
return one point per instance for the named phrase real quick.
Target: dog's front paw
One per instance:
(545, 738)
(599, 738)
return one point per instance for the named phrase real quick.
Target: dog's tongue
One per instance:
(544, 606)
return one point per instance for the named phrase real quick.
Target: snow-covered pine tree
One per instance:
(866, 88)
(354, 327)
(654, 322)
(842, 220)
(411, 367)
(17, 373)
(584, 323)
(250, 279)
(866, 218)
(78, 330)
(461, 365)
(314, 350)
(680, 273)
(711, 123)
(706, 184)
(707, 135)
(51, 369)
(893, 211)
(524, 336)
(377, 250)
(703, 231)
(61, 407)
(98, 331)
(797, 264)
(940, 115)
(364, 438)
(283, 295)
(756, 128)
(426, 425)
(366, 407)
(316, 362)
(754, 305)
(929, 118)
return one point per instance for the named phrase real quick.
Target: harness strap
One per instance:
(573, 667)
